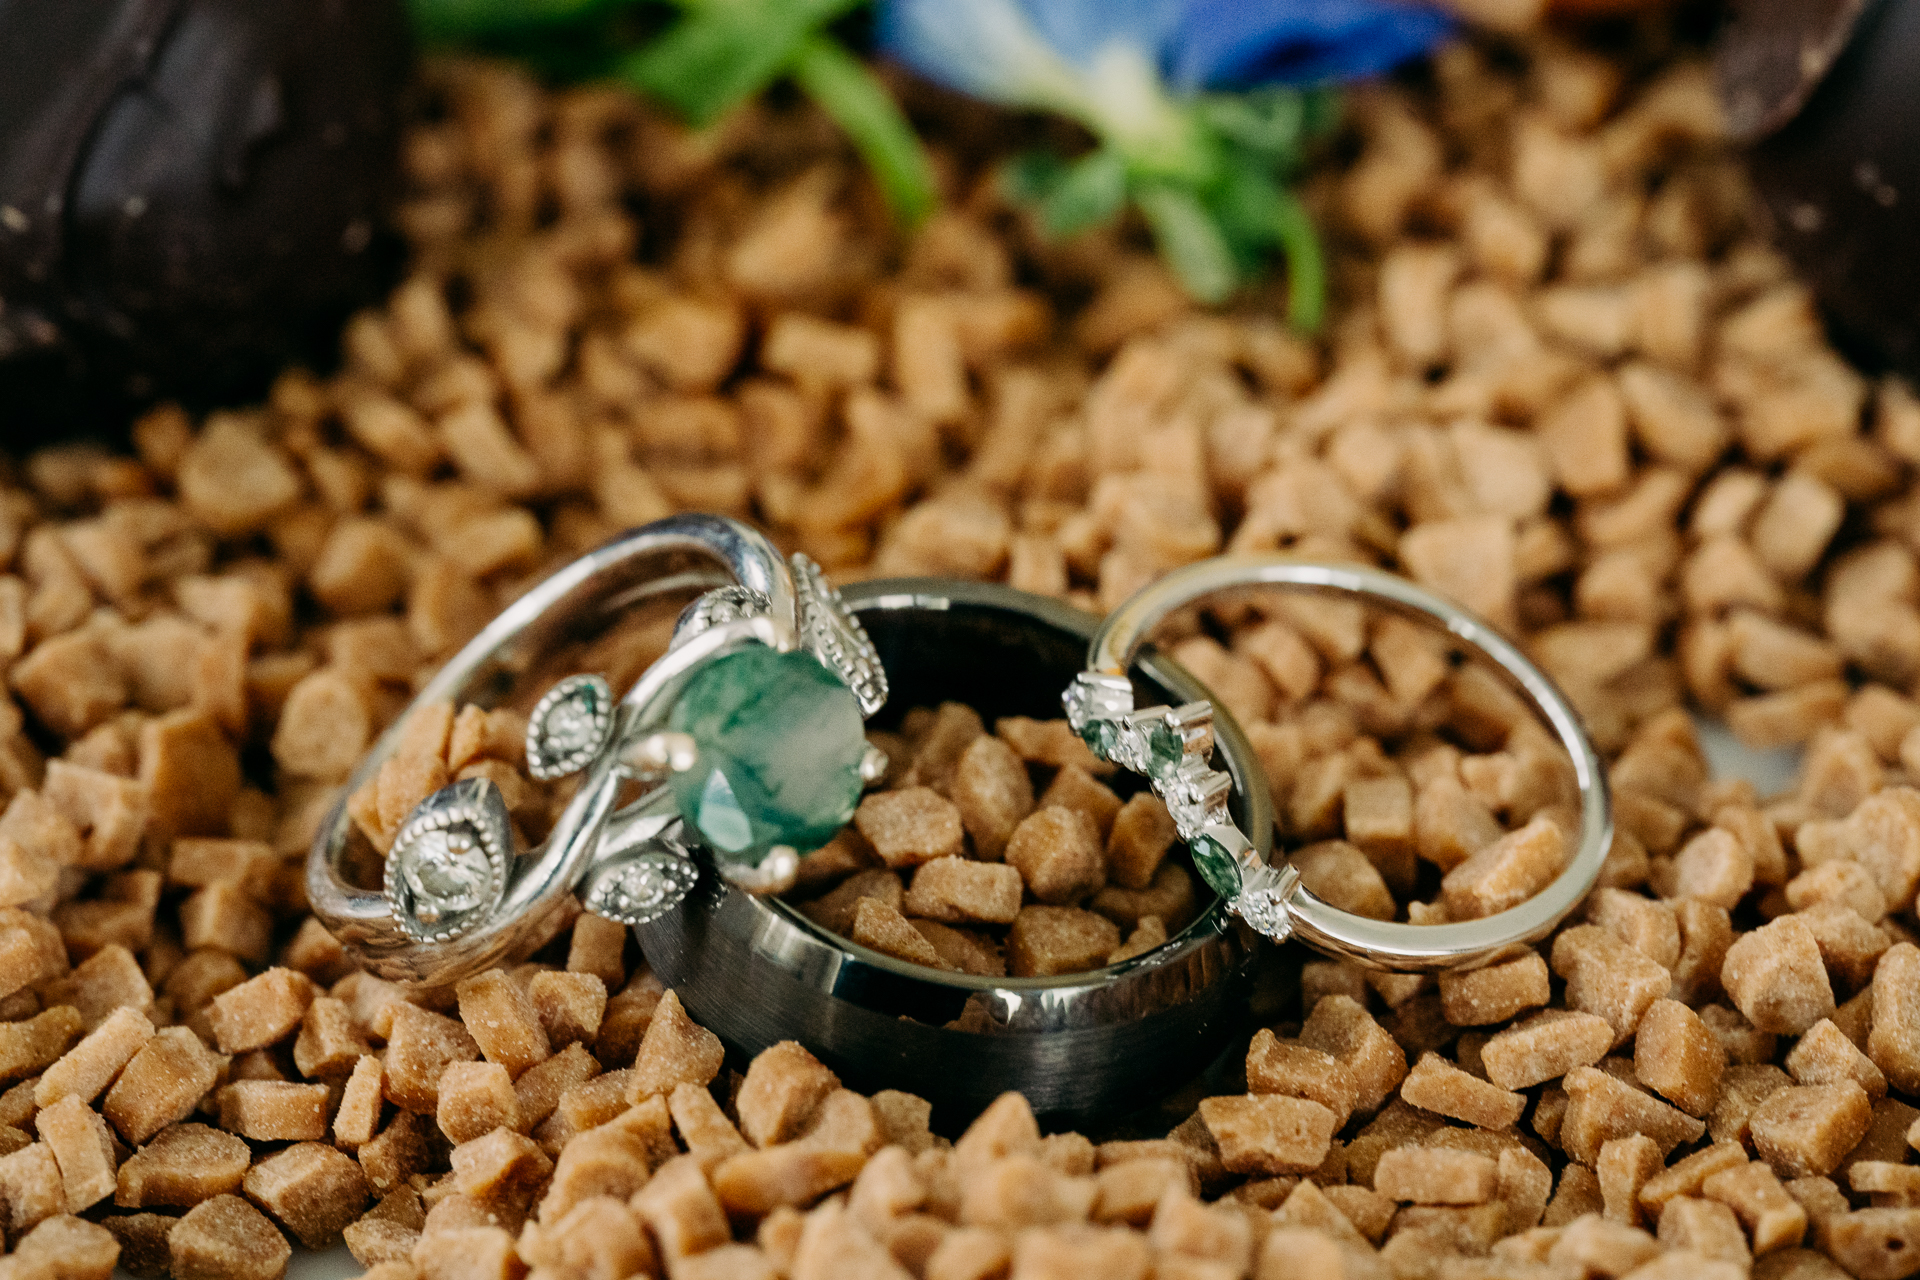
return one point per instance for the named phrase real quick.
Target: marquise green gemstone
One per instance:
(1165, 748)
(780, 743)
(1100, 735)
(1216, 866)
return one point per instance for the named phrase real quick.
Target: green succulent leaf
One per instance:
(447, 20)
(1031, 176)
(1323, 111)
(1245, 203)
(1190, 240)
(1270, 123)
(1090, 191)
(843, 87)
(1306, 267)
(721, 54)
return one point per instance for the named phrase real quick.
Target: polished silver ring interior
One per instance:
(459, 896)
(1173, 747)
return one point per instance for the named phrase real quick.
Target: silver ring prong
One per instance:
(775, 874)
(659, 754)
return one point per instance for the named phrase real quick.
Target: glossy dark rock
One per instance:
(190, 191)
(1828, 91)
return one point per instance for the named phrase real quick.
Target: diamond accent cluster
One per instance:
(448, 865)
(641, 889)
(1263, 902)
(569, 727)
(832, 633)
(1172, 747)
(717, 608)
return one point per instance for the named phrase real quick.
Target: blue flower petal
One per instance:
(1237, 44)
(990, 49)
(1081, 29)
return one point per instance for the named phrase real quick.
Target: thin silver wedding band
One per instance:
(1377, 943)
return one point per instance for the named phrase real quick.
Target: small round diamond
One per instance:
(1196, 797)
(643, 889)
(1130, 749)
(1185, 805)
(717, 608)
(448, 866)
(571, 727)
(448, 870)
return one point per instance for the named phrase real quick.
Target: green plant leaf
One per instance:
(1268, 122)
(1090, 191)
(448, 20)
(1257, 214)
(1190, 240)
(1245, 202)
(843, 87)
(1031, 176)
(720, 55)
(1324, 107)
(1306, 266)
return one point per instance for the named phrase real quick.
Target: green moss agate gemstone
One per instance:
(1215, 865)
(1100, 735)
(780, 741)
(1165, 748)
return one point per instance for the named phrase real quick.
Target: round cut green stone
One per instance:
(1216, 866)
(780, 743)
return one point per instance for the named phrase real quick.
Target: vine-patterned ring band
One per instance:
(1173, 747)
(747, 738)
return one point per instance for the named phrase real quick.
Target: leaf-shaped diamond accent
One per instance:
(642, 888)
(448, 866)
(832, 633)
(569, 727)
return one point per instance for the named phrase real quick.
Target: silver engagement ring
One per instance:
(1173, 748)
(746, 740)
